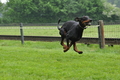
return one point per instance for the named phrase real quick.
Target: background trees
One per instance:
(46, 11)
(117, 2)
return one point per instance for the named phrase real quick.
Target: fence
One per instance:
(41, 29)
(90, 35)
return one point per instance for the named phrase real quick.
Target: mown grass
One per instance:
(110, 31)
(47, 61)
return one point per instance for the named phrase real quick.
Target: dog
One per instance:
(72, 31)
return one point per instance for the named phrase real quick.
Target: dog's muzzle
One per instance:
(87, 22)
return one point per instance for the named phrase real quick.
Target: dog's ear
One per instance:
(77, 19)
(82, 18)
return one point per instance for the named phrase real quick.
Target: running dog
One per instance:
(72, 31)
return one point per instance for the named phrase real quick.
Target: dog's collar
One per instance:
(82, 27)
(83, 22)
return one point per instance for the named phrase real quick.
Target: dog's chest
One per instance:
(74, 34)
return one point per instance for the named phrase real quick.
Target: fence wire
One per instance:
(110, 31)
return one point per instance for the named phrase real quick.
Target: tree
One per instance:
(115, 2)
(21, 10)
(92, 8)
(111, 10)
(1, 11)
(39, 11)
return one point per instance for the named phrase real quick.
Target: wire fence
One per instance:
(111, 30)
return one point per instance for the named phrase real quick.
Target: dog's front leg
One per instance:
(75, 48)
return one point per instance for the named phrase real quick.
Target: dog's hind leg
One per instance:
(68, 46)
(62, 42)
(75, 48)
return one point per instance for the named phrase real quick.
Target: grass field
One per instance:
(46, 61)
(111, 31)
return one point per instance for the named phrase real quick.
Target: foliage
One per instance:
(1, 10)
(38, 11)
(115, 2)
(46, 61)
(111, 10)
(46, 11)
(1, 7)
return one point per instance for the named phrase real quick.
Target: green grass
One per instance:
(30, 31)
(111, 31)
(47, 61)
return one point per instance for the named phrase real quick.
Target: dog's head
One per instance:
(84, 21)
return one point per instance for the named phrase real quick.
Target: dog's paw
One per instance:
(80, 52)
(65, 50)
(64, 47)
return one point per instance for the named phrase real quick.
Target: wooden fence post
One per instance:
(101, 34)
(21, 32)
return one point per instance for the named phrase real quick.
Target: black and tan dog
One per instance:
(72, 31)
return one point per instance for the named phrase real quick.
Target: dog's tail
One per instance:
(58, 24)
